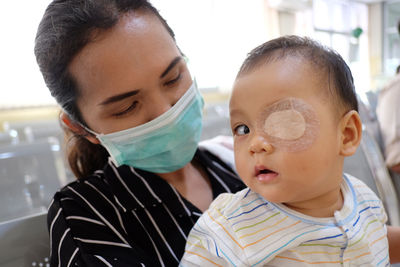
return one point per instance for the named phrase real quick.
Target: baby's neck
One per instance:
(322, 206)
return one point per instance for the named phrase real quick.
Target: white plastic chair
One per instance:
(24, 242)
(30, 174)
(368, 165)
(33, 130)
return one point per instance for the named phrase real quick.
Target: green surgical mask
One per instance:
(164, 144)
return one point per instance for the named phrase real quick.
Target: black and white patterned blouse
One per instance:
(128, 217)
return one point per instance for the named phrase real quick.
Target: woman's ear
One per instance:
(351, 132)
(77, 128)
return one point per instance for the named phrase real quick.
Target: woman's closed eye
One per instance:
(174, 80)
(241, 129)
(130, 108)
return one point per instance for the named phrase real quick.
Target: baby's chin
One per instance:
(273, 195)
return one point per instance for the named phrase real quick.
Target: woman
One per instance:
(134, 114)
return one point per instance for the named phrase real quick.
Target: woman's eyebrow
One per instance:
(170, 66)
(119, 97)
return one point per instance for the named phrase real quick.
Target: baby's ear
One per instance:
(351, 131)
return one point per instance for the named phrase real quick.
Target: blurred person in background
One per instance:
(388, 114)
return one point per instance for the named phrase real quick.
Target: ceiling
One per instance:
(368, 1)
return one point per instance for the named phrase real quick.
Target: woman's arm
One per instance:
(393, 234)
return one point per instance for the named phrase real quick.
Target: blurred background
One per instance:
(215, 35)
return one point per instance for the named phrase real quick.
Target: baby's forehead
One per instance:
(293, 64)
(316, 63)
(295, 74)
(293, 104)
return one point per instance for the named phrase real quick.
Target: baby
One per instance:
(294, 118)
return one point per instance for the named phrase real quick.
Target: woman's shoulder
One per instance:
(88, 197)
(86, 226)
(84, 188)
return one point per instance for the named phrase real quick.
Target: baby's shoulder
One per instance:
(360, 188)
(366, 199)
(229, 204)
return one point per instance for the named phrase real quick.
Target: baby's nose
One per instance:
(259, 144)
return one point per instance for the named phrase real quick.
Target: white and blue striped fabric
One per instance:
(244, 229)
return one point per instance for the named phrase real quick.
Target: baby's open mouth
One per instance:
(265, 171)
(262, 170)
(264, 174)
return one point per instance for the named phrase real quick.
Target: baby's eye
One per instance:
(241, 130)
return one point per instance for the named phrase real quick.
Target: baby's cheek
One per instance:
(244, 175)
(242, 164)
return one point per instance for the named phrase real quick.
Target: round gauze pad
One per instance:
(286, 124)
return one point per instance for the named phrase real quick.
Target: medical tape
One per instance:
(290, 124)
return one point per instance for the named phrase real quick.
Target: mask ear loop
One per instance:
(88, 131)
(66, 122)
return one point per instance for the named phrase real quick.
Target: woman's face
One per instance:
(129, 75)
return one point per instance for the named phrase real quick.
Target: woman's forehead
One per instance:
(139, 46)
(136, 33)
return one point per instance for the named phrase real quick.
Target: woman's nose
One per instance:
(160, 104)
(259, 144)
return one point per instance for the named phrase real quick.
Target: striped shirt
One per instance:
(244, 229)
(128, 217)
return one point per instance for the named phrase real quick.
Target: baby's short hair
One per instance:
(324, 58)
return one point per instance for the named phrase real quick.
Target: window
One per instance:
(334, 23)
(21, 83)
(216, 35)
(391, 50)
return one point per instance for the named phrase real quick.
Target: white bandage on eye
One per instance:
(290, 124)
(286, 124)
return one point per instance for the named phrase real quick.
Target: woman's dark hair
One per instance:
(327, 60)
(398, 27)
(66, 27)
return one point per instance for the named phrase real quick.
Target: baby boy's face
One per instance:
(286, 135)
